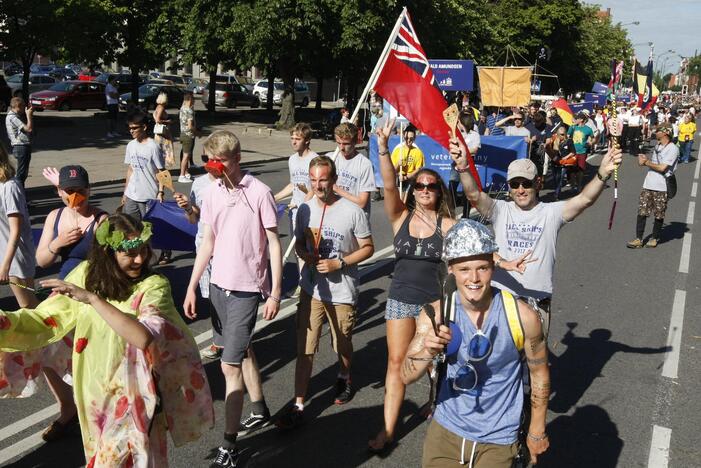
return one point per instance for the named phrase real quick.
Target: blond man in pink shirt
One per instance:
(240, 236)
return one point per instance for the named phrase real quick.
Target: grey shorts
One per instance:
(235, 313)
(134, 208)
(399, 310)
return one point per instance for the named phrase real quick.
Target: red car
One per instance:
(69, 95)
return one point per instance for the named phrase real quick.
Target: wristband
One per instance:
(462, 170)
(49, 247)
(538, 439)
(602, 179)
(161, 191)
(383, 153)
(276, 299)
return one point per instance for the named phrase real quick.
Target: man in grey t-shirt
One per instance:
(653, 198)
(526, 229)
(333, 236)
(356, 179)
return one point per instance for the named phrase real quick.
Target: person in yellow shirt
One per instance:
(687, 130)
(406, 157)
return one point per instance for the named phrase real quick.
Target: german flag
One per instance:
(564, 111)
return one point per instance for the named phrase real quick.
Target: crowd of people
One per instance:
(468, 307)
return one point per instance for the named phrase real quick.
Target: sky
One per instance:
(669, 24)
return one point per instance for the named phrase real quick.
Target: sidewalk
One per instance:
(79, 138)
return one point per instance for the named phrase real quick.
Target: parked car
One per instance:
(63, 74)
(197, 85)
(230, 95)
(68, 95)
(12, 69)
(227, 79)
(5, 94)
(41, 69)
(174, 79)
(301, 92)
(36, 83)
(123, 81)
(246, 81)
(148, 94)
(87, 75)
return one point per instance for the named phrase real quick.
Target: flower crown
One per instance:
(117, 240)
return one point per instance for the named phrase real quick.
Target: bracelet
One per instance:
(49, 247)
(602, 179)
(463, 170)
(276, 299)
(498, 262)
(383, 153)
(538, 439)
(188, 210)
(161, 191)
(414, 358)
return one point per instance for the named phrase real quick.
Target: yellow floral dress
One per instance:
(127, 398)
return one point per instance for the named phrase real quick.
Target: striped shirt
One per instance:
(15, 130)
(491, 121)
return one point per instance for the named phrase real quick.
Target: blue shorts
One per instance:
(400, 310)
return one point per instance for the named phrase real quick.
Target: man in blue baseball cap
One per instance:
(486, 331)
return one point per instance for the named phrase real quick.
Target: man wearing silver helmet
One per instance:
(526, 229)
(486, 331)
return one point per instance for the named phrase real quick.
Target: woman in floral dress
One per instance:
(136, 369)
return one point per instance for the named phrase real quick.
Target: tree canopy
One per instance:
(322, 38)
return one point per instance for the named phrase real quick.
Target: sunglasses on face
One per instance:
(525, 183)
(432, 187)
(135, 127)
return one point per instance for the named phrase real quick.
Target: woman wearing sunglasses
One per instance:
(480, 398)
(418, 226)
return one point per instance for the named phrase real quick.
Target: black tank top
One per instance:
(417, 266)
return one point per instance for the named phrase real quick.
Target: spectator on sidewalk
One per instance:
(188, 132)
(19, 123)
(112, 102)
(161, 129)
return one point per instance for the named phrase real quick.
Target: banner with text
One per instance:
(491, 160)
(453, 75)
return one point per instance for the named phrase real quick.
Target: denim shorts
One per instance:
(398, 310)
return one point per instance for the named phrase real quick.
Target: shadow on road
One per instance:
(574, 371)
(587, 438)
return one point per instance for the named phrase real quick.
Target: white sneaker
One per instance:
(184, 180)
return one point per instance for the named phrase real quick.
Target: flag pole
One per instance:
(380, 63)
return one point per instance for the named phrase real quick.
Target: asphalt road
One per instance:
(624, 339)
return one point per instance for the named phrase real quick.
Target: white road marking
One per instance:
(659, 447)
(690, 213)
(34, 440)
(698, 168)
(674, 336)
(29, 421)
(694, 189)
(686, 253)
(20, 447)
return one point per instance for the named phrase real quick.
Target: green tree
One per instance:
(29, 27)
(209, 34)
(281, 42)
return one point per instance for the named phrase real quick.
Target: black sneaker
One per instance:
(292, 419)
(226, 458)
(344, 392)
(254, 422)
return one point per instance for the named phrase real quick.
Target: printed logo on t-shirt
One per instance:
(347, 181)
(330, 242)
(521, 237)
